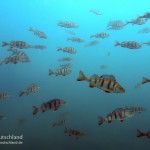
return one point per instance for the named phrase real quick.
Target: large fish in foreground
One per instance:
(107, 83)
(119, 114)
(53, 104)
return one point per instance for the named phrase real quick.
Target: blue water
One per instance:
(83, 103)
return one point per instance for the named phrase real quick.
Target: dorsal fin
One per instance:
(112, 77)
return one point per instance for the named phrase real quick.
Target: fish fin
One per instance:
(30, 29)
(91, 86)
(50, 72)
(59, 49)
(106, 91)
(21, 93)
(101, 120)
(4, 44)
(145, 80)
(82, 77)
(35, 110)
(117, 43)
(139, 133)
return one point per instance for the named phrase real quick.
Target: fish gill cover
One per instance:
(75, 74)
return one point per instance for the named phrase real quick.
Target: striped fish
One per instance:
(61, 71)
(31, 89)
(76, 133)
(76, 39)
(129, 44)
(4, 95)
(146, 15)
(100, 35)
(138, 21)
(17, 44)
(70, 50)
(53, 104)
(67, 24)
(40, 34)
(115, 25)
(107, 83)
(62, 122)
(135, 109)
(118, 114)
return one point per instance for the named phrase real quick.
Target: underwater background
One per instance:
(84, 104)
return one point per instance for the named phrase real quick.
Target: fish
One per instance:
(76, 133)
(92, 43)
(144, 30)
(129, 44)
(2, 117)
(76, 39)
(67, 24)
(70, 50)
(100, 35)
(138, 21)
(53, 104)
(4, 96)
(31, 89)
(40, 34)
(119, 114)
(106, 83)
(146, 15)
(62, 122)
(61, 71)
(95, 11)
(115, 25)
(144, 80)
(65, 59)
(39, 47)
(17, 44)
(135, 109)
(67, 65)
(146, 43)
(71, 32)
(140, 134)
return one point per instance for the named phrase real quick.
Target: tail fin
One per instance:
(59, 49)
(50, 72)
(30, 29)
(117, 43)
(82, 77)
(145, 80)
(21, 93)
(4, 44)
(101, 120)
(35, 110)
(139, 133)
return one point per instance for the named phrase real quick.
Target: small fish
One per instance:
(118, 114)
(39, 47)
(92, 43)
(138, 21)
(40, 34)
(140, 134)
(4, 95)
(106, 83)
(53, 104)
(65, 59)
(17, 44)
(100, 35)
(61, 71)
(67, 24)
(76, 39)
(146, 43)
(96, 12)
(70, 50)
(31, 89)
(144, 80)
(76, 133)
(128, 44)
(2, 117)
(62, 122)
(115, 25)
(145, 30)
(135, 109)
(71, 32)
